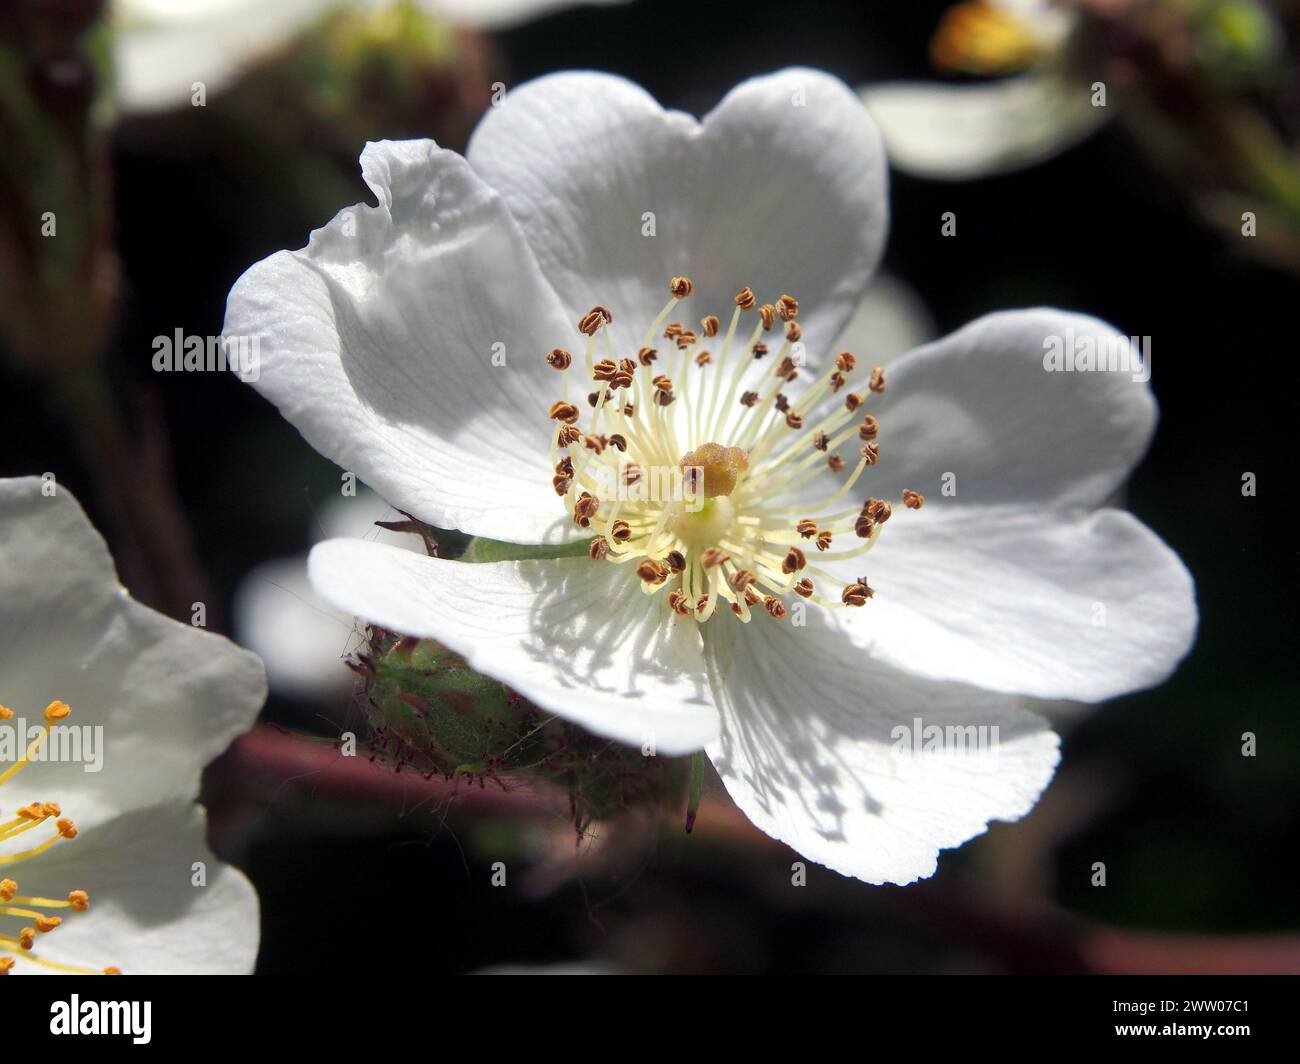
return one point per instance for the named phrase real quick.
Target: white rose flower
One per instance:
(107, 868)
(409, 342)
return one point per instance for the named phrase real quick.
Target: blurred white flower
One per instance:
(301, 637)
(973, 130)
(163, 47)
(109, 868)
(408, 341)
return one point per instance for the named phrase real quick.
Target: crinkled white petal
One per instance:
(301, 637)
(782, 187)
(169, 697)
(1051, 605)
(576, 638)
(810, 754)
(407, 342)
(146, 914)
(958, 132)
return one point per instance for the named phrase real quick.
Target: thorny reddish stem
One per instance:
(1029, 937)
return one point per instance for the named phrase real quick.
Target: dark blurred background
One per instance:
(1194, 836)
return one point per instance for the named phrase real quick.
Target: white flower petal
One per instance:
(146, 916)
(958, 132)
(808, 750)
(781, 187)
(1046, 605)
(169, 697)
(577, 638)
(980, 405)
(377, 341)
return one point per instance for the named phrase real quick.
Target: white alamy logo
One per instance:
(71, 743)
(102, 1017)
(1070, 352)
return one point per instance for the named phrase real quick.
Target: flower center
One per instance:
(36, 913)
(721, 524)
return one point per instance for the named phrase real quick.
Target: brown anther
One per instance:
(591, 322)
(787, 307)
(786, 369)
(913, 500)
(845, 362)
(759, 350)
(710, 325)
(793, 333)
(877, 382)
(837, 381)
(852, 401)
(598, 549)
(652, 572)
(594, 397)
(564, 467)
(686, 339)
(678, 603)
(712, 557)
(768, 313)
(871, 453)
(604, 370)
(559, 359)
(585, 508)
(806, 528)
(870, 427)
(794, 420)
(824, 540)
(863, 526)
(703, 358)
(674, 330)
(749, 399)
(804, 588)
(835, 462)
(629, 410)
(878, 510)
(562, 411)
(676, 561)
(820, 440)
(647, 355)
(681, 287)
(561, 485)
(752, 597)
(740, 580)
(774, 606)
(663, 397)
(631, 474)
(594, 443)
(568, 435)
(857, 593)
(701, 603)
(781, 403)
(618, 441)
(794, 561)
(745, 299)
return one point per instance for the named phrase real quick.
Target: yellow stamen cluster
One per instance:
(32, 912)
(712, 464)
